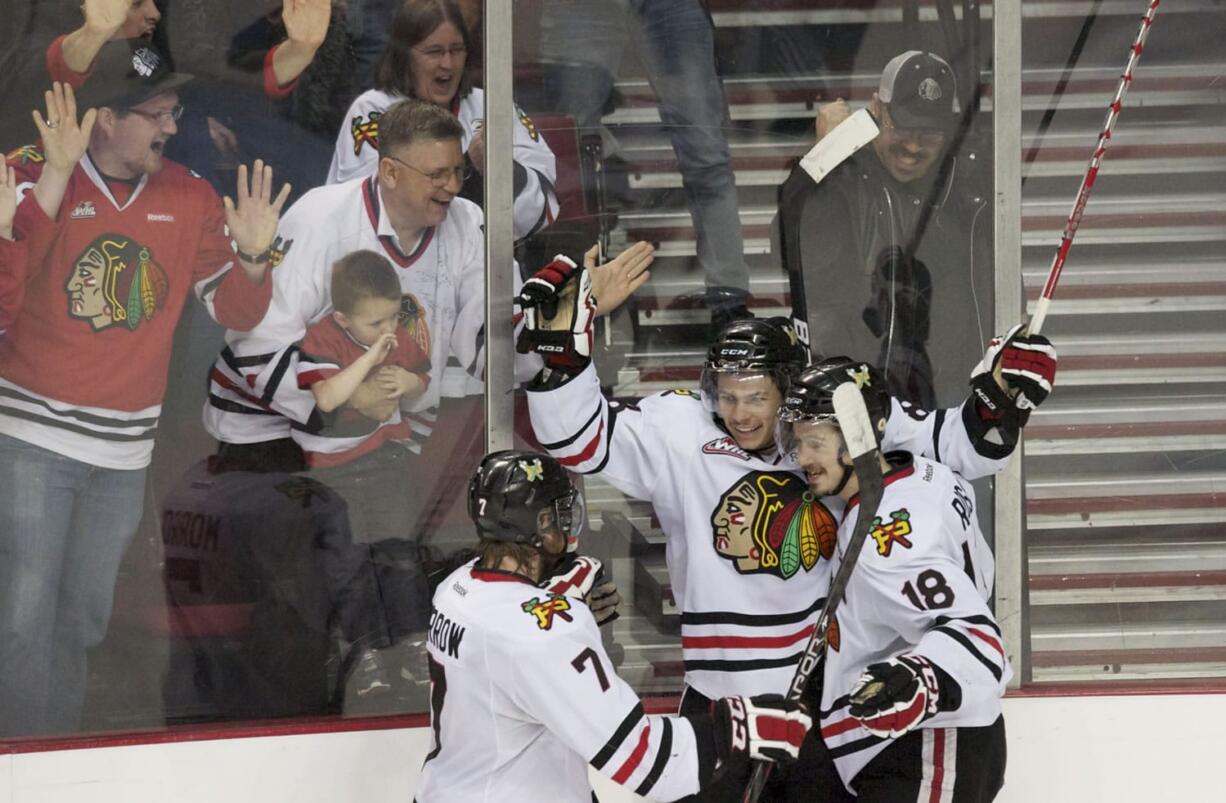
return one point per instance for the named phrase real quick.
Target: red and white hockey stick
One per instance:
(1087, 182)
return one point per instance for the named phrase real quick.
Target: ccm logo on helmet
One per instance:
(733, 352)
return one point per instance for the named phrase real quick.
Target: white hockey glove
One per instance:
(768, 727)
(581, 577)
(1027, 366)
(894, 697)
(558, 309)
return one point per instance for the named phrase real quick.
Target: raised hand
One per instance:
(105, 16)
(614, 281)
(306, 21)
(65, 140)
(253, 221)
(8, 201)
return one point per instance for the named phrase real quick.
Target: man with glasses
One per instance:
(117, 237)
(897, 237)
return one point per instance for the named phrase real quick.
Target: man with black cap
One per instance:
(116, 238)
(891, 251)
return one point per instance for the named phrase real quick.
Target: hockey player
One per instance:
(915, 666)
(745, 536)
(523, 695)
(426, 52)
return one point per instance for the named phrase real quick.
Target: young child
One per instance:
(372, 329)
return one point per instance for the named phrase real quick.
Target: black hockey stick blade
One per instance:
(866, 457)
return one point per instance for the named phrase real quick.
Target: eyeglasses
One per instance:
(929, 137)
(173, 113)
(439, 178)
(456, 52)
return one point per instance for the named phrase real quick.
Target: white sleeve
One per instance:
(568, 684)
(628, 444)
(356, 152)
(942, 436)
(536, 204)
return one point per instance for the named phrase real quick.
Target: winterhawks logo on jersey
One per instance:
(769, 522)
(725, 445)
(554, 605)
(364, 131)
(115, 281)
(893, 532)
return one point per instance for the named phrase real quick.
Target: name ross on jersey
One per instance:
(445, 634)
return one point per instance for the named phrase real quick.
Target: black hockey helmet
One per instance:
(810, 398)
(753, 345)
(510, 489)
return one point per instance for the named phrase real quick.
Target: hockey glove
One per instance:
(894, 697)
(583, 578)
(767, 727)
(1027, 365)
(559, 310)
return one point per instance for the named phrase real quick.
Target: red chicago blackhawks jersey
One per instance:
(326, 349)
(83, 365)
(747, 544)
(920, 587)
(524, 698)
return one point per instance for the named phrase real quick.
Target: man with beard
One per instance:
(890, 253)
(116, 239)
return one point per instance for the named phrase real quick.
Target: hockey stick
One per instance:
(866, 457)
(1087, 182)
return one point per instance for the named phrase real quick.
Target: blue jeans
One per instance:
(64, 526)
(585, 40)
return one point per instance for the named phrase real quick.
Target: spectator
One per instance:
(582, 42)
(117, 237)
(425, 58)
(372, 331)
(888, 286)
(12, 252)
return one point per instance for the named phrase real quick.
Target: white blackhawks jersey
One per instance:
(535, 205)
(253, 389)
(920, 587)
(747, 544)
(524, 698)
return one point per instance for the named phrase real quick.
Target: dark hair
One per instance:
(409, 121)
(361, 275)
(415, 20)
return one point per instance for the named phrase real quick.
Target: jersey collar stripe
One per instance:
(698, 618)
(746, 642)
(500, 576)
(632, 762)
(902, 472)
(370, 194)
(663, 753)
(588, 451)
(615, 741)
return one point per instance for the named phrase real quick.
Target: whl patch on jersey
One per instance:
(116, 282)
(365, 131)
(895, 531)
(769, 522)
(83, 211)
(725, 445)
(544, 612)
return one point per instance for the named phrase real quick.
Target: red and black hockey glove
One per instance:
(894, 697)
(558, 312)
(1027, 367)
(581, 577)
(768, 727)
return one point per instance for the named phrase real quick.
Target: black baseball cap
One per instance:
(920, 91)
(126, 73)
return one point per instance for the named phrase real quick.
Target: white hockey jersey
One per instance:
(253, 391)
(745, 538)
(921, 587)
(524, 698)
(536, 203)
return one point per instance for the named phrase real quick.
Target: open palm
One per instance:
(253, 220)
(64, 138)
